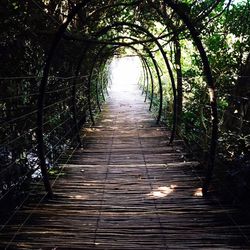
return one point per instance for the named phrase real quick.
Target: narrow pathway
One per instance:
(126, 189)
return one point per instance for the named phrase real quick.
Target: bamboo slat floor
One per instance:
(126, 189)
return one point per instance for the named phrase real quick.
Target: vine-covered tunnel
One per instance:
(153, 168)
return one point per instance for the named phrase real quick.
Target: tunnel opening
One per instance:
(125, 71)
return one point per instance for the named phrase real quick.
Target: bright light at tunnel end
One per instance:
(125, 71)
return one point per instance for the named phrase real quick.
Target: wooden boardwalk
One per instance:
(126, 189)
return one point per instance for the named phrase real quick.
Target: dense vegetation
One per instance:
(78, 77)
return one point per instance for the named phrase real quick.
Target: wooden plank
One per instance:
(126, 189)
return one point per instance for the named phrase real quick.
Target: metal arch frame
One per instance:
(158, 76)
(160, 85)
(145, 73)
(147, 69)
(149, 75)
(150, 72)
(178, 71)
(77, 71)
(41, 97)
(78, 68)
(145, 76)
(210, 84)
(42, 89)
(157, 72)
(103, 64)
(85, 49)
(89, 79)
(170, 72)
(211, 90)
(89, 82)
(152, 85)
(207, 71)
(150, 55)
